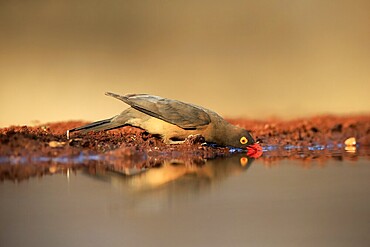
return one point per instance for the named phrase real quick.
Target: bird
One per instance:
(174, 121)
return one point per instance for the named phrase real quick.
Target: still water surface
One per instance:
(222, 203)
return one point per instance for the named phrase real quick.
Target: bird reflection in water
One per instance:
(173, 181)
(171, 171)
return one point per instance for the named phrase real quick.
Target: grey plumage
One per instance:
(172, 120)
(184, 115)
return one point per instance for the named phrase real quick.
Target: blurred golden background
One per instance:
(251, 59)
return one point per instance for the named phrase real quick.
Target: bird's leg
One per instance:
(175, 142)
(172, 140)
(192, 139)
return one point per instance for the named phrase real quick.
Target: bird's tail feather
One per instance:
(106, 124)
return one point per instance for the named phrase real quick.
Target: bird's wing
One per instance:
(184, 115)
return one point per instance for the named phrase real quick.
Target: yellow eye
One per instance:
(243, 140)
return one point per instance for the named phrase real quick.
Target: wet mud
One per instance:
(27, 151)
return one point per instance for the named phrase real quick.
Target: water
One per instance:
(226, 202)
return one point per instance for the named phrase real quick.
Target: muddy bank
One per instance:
(307, 139)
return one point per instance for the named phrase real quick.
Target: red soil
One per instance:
(135, 147)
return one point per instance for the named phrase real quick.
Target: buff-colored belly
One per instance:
(159, 127)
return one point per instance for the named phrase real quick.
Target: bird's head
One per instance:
(241, 138)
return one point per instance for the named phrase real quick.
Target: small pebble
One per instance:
(350, 141)
(55, 144)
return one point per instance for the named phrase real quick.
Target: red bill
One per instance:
(254, 151)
